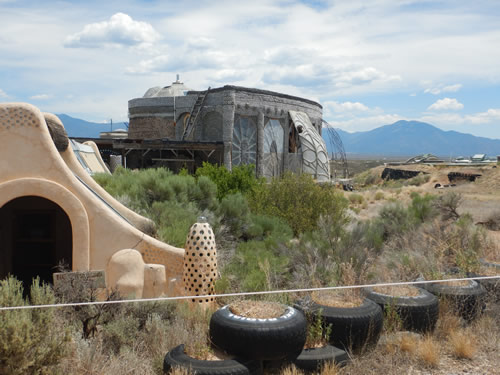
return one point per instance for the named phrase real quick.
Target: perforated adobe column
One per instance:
(200, 263)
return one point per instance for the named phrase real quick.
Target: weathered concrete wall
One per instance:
(151, 128)
(153, 118)
(216, 121)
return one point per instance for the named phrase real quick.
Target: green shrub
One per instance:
(147, 186)
(421, 207)
(379, 195)
(256, 266)
(466, 241)
(365, 178)
(394, 219)
(235, 212)
(241, 179)
(393, 184)
(365, 234)
(355, 198)
(119, 333)
(299, 201)
(206, 194)
(418, 180)
(173, 220)
(318, 331)
(268, 226)
(447, 204)
(32, 341)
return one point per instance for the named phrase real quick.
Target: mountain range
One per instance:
(408, 138)
(403, 138)
(77, 128)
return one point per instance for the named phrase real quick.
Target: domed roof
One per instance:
(176, 89)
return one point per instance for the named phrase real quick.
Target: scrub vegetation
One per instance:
(284, 233)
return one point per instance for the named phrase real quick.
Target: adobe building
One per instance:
(52, 211)
(229, 125)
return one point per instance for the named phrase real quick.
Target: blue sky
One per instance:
(368, 62)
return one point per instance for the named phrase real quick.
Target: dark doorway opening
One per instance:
(35, 237)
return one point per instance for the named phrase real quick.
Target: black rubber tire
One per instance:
(419, 313)
(489, 264)
(263, 339)
(178, 358)
(492, 286)
(354, 329)
(467, 301)
(314, 359)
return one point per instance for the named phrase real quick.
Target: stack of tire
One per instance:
(467, 301)
(250, 340)
(492, 286)
(353, 329)
(418, 313)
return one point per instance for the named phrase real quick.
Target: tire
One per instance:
(178, 358)
(467, 301)
(489, 264)
(263, 339)
(354, 329)
(315, 358)
(492, 286)
(419, 313)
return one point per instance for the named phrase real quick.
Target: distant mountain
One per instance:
(407, 138)
(80, 128)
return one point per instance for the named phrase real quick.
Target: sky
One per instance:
(367, 62)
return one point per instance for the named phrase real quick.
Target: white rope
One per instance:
(178, 298)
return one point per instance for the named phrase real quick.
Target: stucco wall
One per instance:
(31, 165)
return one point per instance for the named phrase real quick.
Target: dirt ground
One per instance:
(481, 198)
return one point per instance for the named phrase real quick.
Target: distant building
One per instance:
(229, 125)
(478, 158)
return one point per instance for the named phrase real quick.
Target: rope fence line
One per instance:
(266, 292)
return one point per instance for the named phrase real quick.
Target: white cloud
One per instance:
(346, 106)
(121, 29)
(436, 90)
(3, 94)
(452, 88)
(157, 63)
(446, 104)
(365, 123)
(453, 119)
(41, 97)
(490, 115)
(324, 75)
(189, 58)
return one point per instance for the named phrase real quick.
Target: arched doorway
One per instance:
(35, 237)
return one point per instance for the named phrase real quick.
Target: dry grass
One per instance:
(398, 290)
(489, 271)
(463, 344)
(336, 298)
(458, 283)
(180, 371)
(448, 321)
(291, 370)
(330, 369)
(257, 309)
(429, 351)
(408, 343)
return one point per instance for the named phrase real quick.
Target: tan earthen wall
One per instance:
(31, 165)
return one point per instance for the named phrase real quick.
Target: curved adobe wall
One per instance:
(63, 198)
(28, 152)
(143, 224)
